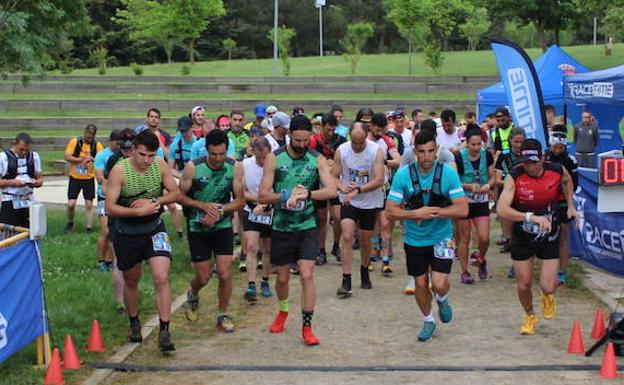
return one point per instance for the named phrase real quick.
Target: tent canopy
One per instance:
(550, 68)
(603, 87)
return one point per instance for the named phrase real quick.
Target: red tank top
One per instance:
(537, 194)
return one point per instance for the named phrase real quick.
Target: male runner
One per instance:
(134, 196)
(277, 137)
(238, 134)
(504, 126)
(558, 154)
(212, 187)
(359, 168)
(290, 181)
(433, 196)
(530, 199)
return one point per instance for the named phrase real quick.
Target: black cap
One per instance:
(300, 122)
(185, 123)
(531, 151)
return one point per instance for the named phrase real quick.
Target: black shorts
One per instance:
(419, 259)
(522, 248)
(562, 213)
(87, 186)
(264, 230)
(111, 228)
(134, 249)
(289, 247)
(366, 218)
(476, 210)
(323, 204)
(204, 245)
(14, 217)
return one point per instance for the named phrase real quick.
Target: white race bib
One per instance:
(477, 197)
(21, 201)
(160, 242)
(444, 249)
(82, 170)
(263, 219)
(360, 177)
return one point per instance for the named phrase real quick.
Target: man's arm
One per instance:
(504, 209)
(238, 187)
(337, 170)
(395, 158)
(568, 188)
(168, 183)
(266, 195)
(69, 152)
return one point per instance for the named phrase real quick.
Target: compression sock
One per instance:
(307, 317)
(283, 305)
(164, 325)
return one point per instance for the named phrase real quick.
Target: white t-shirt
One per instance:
(406, 135)
(22, 173)
(359, 167)
(253, 175)
(274, 143)
(448, 140)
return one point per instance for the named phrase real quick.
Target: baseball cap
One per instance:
(556, 137)
(260, 110)
(531, 151)
(197, 109)
(185, 123)
(280, 119)
(271, 109)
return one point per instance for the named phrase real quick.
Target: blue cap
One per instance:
(260, 110)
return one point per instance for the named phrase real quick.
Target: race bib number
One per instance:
(160, 242)
(360, 177)
(534, 228)
(21, 202)
(477, 197)
(82, 170)
(299, 206)
(263, 219)
(444, 249)
(101, 208)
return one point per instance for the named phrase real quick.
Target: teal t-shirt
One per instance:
(174, 149)
(432, 231)
(342, 131)
(100, 164)
(199, 149)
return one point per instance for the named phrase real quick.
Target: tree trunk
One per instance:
(542, 35)
(382, 42)
(229, 54)
(191, 51)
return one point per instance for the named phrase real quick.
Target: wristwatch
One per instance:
(527, 216)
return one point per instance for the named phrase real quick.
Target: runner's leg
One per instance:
(89, 212)
(132, 277)
(159, 267)
(524, 275)
(224, 268)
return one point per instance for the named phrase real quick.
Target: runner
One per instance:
(359, 168)
(104, 250)
(257, 221)
(432, 195)
(134, 196)
(530, 199)
(180, 149)
(198, 118)
(326, 142)
(500, 135)
(402, 128)
(277, 137)
(20, 172)
(338, 113)
(505, 162)
(288, 180)
(212, 187)
(558, 154)
(238, 134)
(448, 134)
(475, 167)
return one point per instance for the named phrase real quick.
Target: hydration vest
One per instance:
(436, 199)
(12, 165)
(78, 148)
(470, 175)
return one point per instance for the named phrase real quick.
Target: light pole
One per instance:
(320, 4)
(275, 37)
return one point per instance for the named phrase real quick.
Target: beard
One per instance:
(299, 150)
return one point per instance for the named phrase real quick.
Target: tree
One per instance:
(613, 21)
(285, 35)
(31, 33)
(477, 24)
(354, 42)
(192, 18)
(229, 45)
(150, 20)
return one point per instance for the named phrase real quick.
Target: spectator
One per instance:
(586, 139)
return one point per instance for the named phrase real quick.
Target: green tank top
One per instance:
(241, 141)
(213, 186)
(137, 187)
(290, 172)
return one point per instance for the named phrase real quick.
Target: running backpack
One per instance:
(11, 172)
(78, 148)
(436, 198)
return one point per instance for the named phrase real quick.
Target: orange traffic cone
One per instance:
(70, 356)
(95, 339)
(576, 346)
(598, 330)
(609, 366)
(54, 374)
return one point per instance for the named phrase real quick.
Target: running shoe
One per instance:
(265, 289)
(89, 230)
(120, 309)
(549, 306)
(483, 271)
(242, 266)
(475, 257)
(528, 324)
(308, 336)
(427, 331)
(562, 277)
(512, 273)
(501, 241)
(410, 288)
(385, 269)
(321, 258)
(375, 255)
(192, 305)
(68, 228)
(102, 267)
(250, 294)
(445, 311)
(225, 324)
(135, 332)
(164, 341)
(466, 278)
(336, 251)
(344, 291)
(365, 278)
(277, 326)
(371, 267)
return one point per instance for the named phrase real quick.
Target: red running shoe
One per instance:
(278, 323)
(308, 337)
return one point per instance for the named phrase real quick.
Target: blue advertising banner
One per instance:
(600, 237)
(21, 298)
(522, 88)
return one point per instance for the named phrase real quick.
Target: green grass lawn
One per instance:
(455, 64)
(77, 293)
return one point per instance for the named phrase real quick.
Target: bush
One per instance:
(186, 70)
(100, 56)
(65, 68)
(434, 57)
(138, 70)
